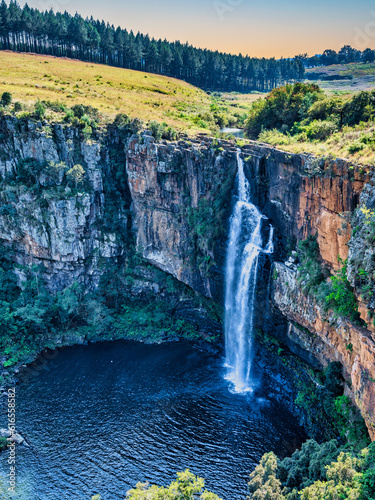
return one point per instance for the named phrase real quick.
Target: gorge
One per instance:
(149, 224)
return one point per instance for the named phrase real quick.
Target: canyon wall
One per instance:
(172, 199)
(181, 195)
(326, 338)
(306, 197)
(170, 203)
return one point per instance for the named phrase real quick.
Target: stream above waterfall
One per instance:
(103, 417)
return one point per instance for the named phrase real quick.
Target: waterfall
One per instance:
(245, 245)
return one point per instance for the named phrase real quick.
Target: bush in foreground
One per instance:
(186, 487)
(316, 472)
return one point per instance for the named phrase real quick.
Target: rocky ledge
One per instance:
(326, 338)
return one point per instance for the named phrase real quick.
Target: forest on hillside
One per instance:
(63, 35)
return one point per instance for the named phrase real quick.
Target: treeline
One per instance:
(347, 54)
(63, 35)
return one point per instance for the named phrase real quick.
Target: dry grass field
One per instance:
(359, 77)
(111, 90)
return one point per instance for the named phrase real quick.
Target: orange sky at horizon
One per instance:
(280, 28)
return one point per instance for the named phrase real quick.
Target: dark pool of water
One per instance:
(106, 416)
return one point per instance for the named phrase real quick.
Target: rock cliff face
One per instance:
(171, 203)
(326, 338)
(52, 224)
(305, 197)
(164, 190)
(181, 193)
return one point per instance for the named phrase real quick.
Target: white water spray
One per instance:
(245, 245)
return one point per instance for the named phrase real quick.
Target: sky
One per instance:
(262, 28)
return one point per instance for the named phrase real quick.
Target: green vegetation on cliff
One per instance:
(327, 412)
(331, 291)
(33, 319)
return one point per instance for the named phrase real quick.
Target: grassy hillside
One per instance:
(112, 90)
(344, 78)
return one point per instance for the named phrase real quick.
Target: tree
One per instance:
(368, 55)
(186, 487)
(348, 54)
(282, 107)
(6, 99)
(329, 57)
(76, 175)
(343, 481)
(61, 34)
(263, 483)
(40, 110)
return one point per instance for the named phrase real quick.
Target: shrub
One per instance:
(28, 171)
(40, 110)
(162, 131)
(80, 110)
(320, 129)
(6, 99)
(311, 271)
(121, 121)
(55, 106)
(69, 115)
(342, 298)
(326, 108)
(170, 134)
(17, 107)
(274, 137)
(87, 131)
(355, 147)
(135, 125)
(76, 176)
(156, 130)
(359, 108)
(349, 423)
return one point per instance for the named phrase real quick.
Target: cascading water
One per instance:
(245, 245)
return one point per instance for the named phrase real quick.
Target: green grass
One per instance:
(362, 77)
(30, 78)
(356, 144)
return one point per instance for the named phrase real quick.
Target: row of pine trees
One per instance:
(63, 35)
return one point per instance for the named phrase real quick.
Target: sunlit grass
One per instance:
(356, 144)
(111, 90)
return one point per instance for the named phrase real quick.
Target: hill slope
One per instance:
(112, 90)
(343, 78)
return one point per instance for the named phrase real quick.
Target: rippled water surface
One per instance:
(106, 416)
